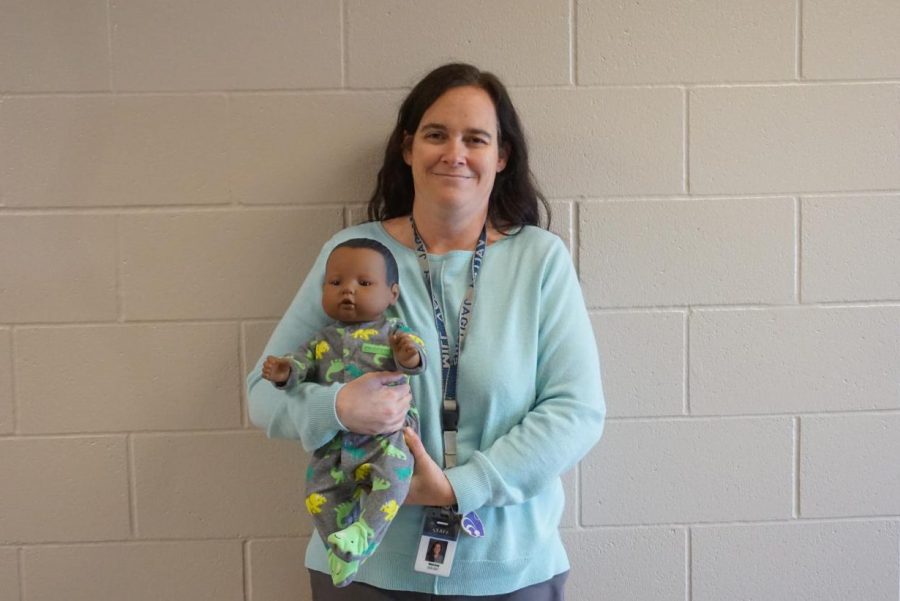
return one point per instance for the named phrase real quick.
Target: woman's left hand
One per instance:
(429, 485)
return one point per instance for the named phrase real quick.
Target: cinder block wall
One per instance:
(727, 176)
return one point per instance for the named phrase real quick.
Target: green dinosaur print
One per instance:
(337, 475)
(354, 371)
(309, 473)
(336, 366)
(392, 451)
(380, 484)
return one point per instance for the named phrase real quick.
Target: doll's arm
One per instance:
(408, 349)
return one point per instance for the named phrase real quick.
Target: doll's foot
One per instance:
(342, 572)
(353, 541)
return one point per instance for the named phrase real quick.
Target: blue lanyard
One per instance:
(470, 522)
(450, 360)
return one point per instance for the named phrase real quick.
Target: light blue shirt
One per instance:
(530, 397)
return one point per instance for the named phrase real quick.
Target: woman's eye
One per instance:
(477, 141)
(433, 135)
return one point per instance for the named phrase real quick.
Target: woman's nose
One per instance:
(455, 152)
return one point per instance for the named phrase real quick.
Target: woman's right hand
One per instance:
(371, 405)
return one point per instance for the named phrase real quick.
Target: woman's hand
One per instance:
(370, 405)
(429, 485)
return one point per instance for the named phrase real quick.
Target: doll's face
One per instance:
(356, 288)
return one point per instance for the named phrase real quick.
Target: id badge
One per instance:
(437, 545)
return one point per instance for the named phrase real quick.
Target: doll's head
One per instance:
(360, 281)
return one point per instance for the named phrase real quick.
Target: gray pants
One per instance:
(323, 590)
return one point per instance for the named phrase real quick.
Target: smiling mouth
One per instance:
(455, 176)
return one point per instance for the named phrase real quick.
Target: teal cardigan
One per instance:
(530, 397)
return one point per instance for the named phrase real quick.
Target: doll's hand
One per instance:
(406, 354)
(276, 369)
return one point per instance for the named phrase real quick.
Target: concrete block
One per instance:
(794, 360)
(128, 378)
(225, 45)
(848, 465)
(604, 142)
(54, 46)
(308, 149)
(63, 151)
(562, 222)
(651, 253)
(795, 562)
(642, 360)
(685, 471)
(60, 267)
(6, 382)
(9, 574)
(220, 485)
(851, 39)
(850, 249)
(499, 37)
(705, 41)
(256, 335)
(276, 570)
(638, 564)
(794, 139)
(63, 489)
(220, 264)
(180, 571)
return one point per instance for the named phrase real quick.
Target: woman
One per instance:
(456, 179)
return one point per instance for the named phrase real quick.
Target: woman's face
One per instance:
(454, 154)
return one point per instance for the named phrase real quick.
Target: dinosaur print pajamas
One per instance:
(356, 483)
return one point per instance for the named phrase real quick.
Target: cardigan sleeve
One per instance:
(568, 413)
(305, 411)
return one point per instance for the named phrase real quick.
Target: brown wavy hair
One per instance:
(515, 199)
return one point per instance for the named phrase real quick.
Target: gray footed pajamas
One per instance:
(356, 483)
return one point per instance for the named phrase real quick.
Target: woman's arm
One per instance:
(567, 417)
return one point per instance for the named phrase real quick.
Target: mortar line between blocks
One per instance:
(686, 165)
(245, 556)
(119, 253)
(796, 467)
(132, 487)
(20, 569)
(798, 249)
(686, 366)
(688, 564)
(798, 49)
(576, 236)
(12, 380)
(110, 72)
(573, 42)
(242, 365)
(345, 22)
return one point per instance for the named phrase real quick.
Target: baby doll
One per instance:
(356, 483)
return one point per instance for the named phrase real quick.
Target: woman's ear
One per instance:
(502, 156)
(407, 148)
